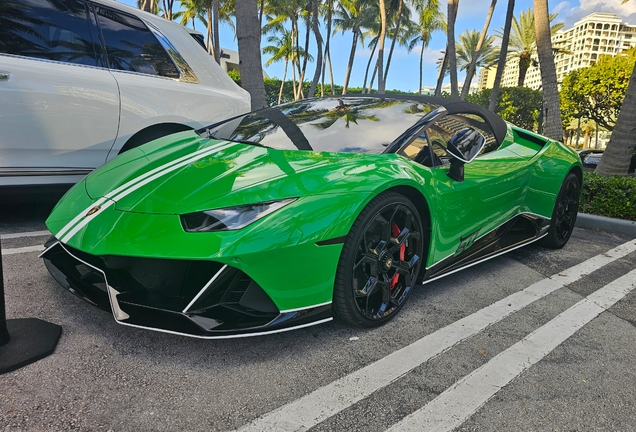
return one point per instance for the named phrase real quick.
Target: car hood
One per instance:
(187, 174)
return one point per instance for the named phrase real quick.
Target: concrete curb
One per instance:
(610, 225)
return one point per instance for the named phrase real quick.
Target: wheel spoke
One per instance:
(368, 259)
(404, 267)
(368, 288)
(398, 241)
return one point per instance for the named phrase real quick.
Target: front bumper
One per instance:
(205, 299)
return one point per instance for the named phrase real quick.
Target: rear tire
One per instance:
(380, 261)
(564, 214)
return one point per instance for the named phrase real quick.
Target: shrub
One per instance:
(609, 196)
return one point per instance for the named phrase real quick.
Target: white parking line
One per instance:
(13, 251)
(25, 234)
(460, 401)
(329, 400)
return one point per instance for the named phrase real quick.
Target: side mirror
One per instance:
(466, 144)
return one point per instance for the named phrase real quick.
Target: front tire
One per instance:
(564, 214)
(380, 261)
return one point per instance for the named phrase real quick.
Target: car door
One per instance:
(155, 87)
(59, 105)
(491, 193)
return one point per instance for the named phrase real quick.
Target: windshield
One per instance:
(360, 125)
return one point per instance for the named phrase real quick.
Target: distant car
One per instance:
(82, 81)
(590, 159)
(283, 217)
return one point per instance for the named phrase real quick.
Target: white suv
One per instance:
(84, 80)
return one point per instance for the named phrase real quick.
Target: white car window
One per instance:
(57, 31)
(131, 46)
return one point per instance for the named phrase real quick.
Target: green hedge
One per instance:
(609, 196)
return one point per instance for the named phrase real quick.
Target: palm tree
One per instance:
(381, 37)
(468, 54)
(354, 16)
(522, 44)
(551, 104)
(248, 35)
(316, 28)
(193, 10)
(502, 56)
(167, 9)
(282, 49)
(279, 13)
(327, 58)
(450, 46)
(471, 68)
(431, 20)
(215, 12)
(401, 35)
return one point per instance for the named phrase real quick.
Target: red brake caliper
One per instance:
(395, 231)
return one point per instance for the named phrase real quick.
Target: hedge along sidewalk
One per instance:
(610, 225)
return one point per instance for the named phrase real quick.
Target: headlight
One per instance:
(230, 218)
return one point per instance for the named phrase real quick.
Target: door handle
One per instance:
(4, 76)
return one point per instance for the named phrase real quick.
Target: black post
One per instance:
(4, 332)
(23, 341)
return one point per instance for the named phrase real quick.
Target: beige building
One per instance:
(597, 34)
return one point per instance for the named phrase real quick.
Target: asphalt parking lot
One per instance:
(535, 340)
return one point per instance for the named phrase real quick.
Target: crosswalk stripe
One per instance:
(24, 234)
(461, 400)
(13, 251)
(329, 400)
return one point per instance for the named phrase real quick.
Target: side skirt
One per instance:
(517, 232)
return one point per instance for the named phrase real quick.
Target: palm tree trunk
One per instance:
(473, 64)
(421, 64)
(617, 156)
(524, 64)
(293, 79)
(327, 48)
(297, 47)
(441, 73)
(210, 37)
(375, 71)
(282, 83)
(552, 110)
(333, 88)
(381, 37)
(315, 25)
(450, 52)
(395, 36)
(251, 65)
(366, 72)
(503, 53)
(260, 13)
(217, 45)
(352, 56)
(301, 93)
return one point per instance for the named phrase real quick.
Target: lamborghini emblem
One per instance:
(93, 211)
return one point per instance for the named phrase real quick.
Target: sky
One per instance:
(404, 70)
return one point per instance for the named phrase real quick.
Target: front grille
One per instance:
(160, 293)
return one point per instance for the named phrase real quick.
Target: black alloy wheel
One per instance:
(564, 214)
(380, 261)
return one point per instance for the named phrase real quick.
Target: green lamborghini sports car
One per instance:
(287, 216)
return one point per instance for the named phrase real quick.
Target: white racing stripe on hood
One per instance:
(81, 220)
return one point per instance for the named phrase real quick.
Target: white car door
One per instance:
(59, 107)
